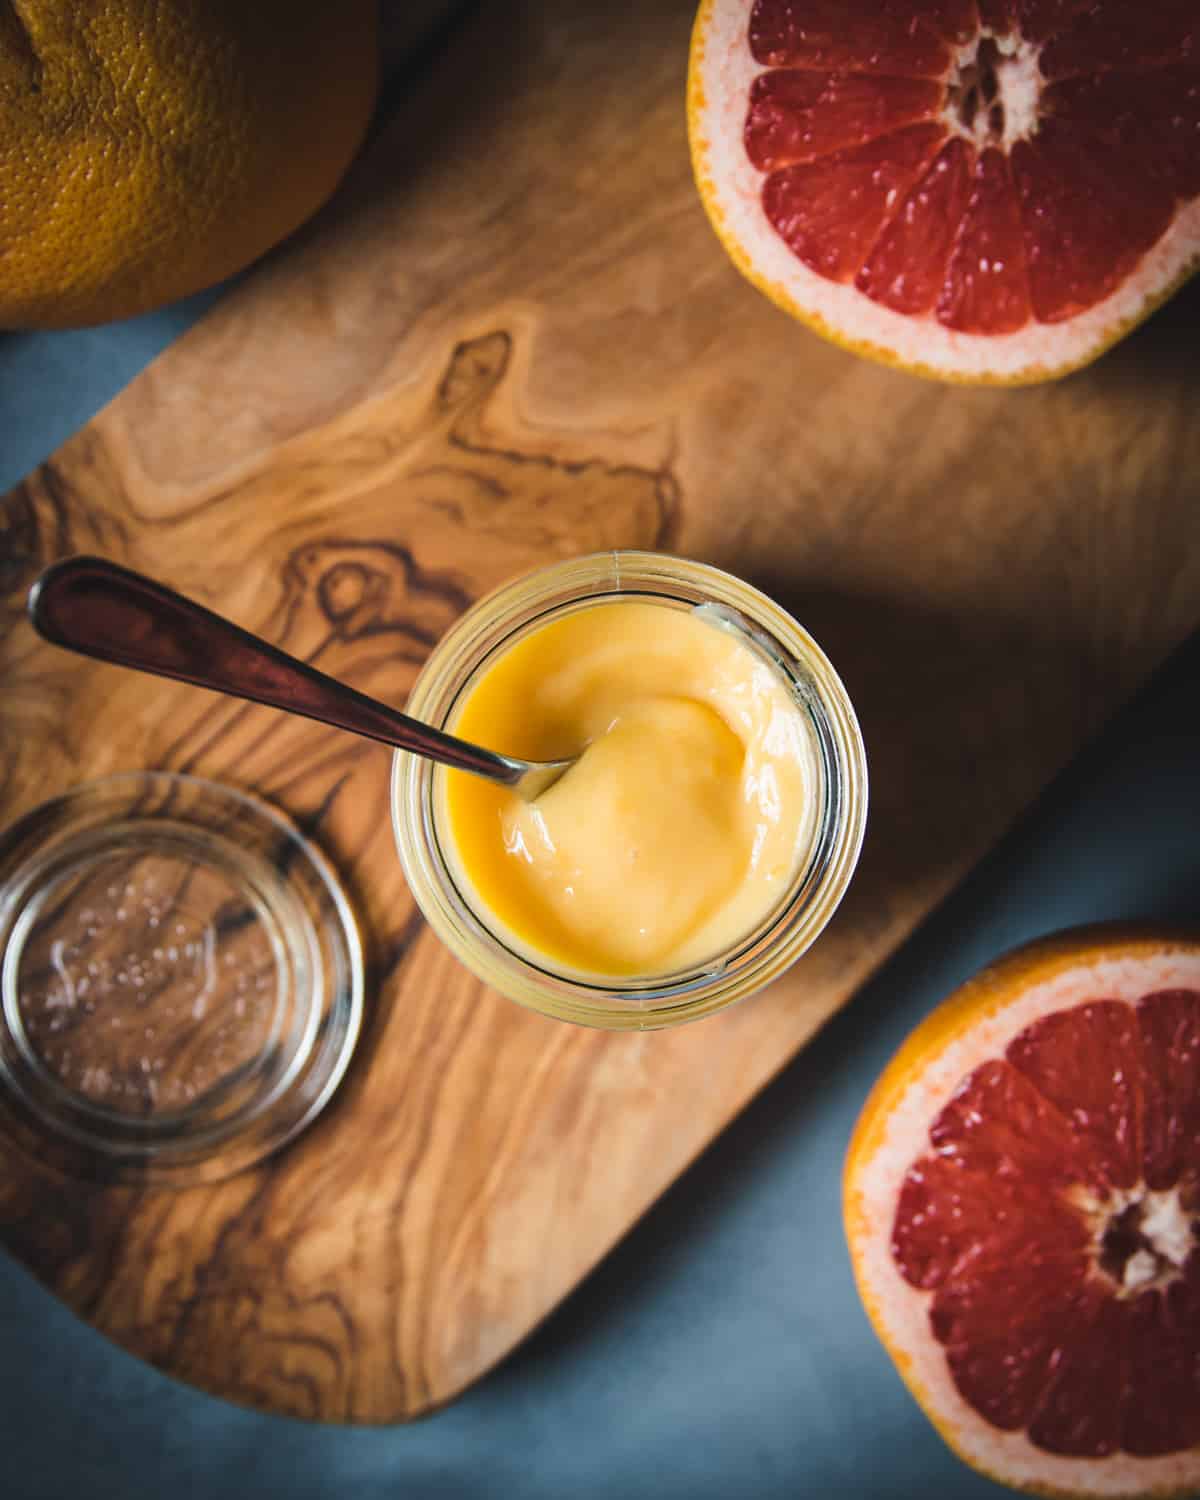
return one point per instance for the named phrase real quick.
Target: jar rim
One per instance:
(745, 966)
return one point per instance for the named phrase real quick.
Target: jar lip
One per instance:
(755, 958)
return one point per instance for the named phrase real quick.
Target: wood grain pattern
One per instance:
(513, 337)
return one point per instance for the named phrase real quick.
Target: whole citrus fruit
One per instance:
(1022, 1199)
(977, 190)
(149, 148)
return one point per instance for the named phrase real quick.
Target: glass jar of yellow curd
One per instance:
(756, 939)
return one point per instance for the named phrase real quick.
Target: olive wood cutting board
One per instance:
(513, 338)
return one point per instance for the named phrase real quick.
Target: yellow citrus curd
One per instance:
(682, 824)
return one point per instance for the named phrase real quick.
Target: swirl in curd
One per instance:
(683, 825)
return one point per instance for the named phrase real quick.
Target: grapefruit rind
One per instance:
(976, 1023)
(721, 70)
(150, 149)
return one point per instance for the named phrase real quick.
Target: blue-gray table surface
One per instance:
(720, 1350)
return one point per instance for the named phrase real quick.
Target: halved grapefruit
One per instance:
(978, 190)
(1022, 1199)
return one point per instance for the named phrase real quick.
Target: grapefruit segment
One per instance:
(981, 190)
(1114, 34)
(1169, 1024)
(1039, 20)
(796, 116)
(998, 16)
(889, 37)
(1085, 228)
(954, 21)
(1022, 1200)
(1086, 1062)
(829, 212)
(1149, 120)
(906, 268)
(1005, 1332)
(948, 1218)
(1000, 1125)
(986, 288)
(1079, 1411)
(1164, 1416)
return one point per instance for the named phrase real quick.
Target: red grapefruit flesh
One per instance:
(1023, 1214)
(979, 190)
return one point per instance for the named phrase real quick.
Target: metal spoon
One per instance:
(92, 606)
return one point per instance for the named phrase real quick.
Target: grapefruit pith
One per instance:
(978, 190)
(1022, 1200)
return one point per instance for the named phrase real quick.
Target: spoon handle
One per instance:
(99, 609)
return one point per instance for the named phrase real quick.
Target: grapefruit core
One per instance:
(978, 190)
(1022, 1199)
